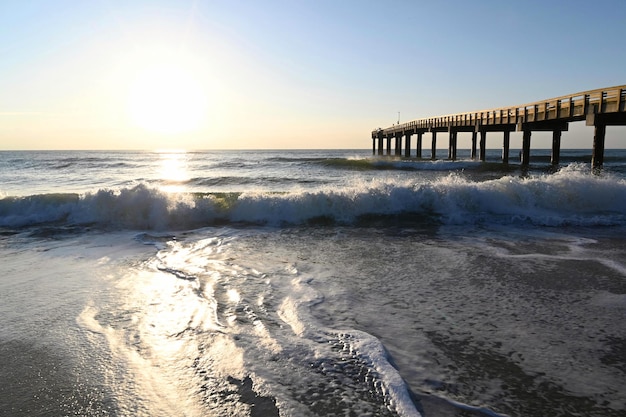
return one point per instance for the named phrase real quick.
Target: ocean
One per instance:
(311, 283)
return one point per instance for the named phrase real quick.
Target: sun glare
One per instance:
(173, 171)
(167, 99)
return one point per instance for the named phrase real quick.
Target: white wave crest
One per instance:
(571, 196)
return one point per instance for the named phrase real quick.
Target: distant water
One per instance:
(305, 283)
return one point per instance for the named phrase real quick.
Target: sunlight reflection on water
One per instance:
(173, 171)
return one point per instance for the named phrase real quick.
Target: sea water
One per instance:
(311, 283)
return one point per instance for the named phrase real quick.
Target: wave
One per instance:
(295, 159)
(377, 163)
(224, 181)
(53, 163)
(571, 196)
(396, 164)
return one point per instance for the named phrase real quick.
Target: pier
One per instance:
(599, 108)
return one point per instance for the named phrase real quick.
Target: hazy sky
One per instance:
(108, 74)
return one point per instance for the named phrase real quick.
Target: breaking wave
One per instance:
(571, 196)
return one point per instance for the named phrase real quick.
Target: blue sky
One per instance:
(289, 74)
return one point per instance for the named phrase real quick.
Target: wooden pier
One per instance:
(599, 108)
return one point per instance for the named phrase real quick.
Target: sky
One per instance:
(234, 74)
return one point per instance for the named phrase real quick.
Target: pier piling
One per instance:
(474, 137)
(505, 146)
(407, 145)
(483, 145)
(555, 156)
(397, 144)
(597, 156)
(419, 144)
(452, 145)
(526, 147)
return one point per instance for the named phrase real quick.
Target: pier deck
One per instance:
(599, 108)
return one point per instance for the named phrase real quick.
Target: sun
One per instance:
(166, 98)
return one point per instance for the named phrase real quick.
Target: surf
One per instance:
(571, 196)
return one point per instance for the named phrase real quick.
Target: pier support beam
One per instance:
(506, 146)
(555, 156)
(380, 145)
(600, 122)
(526, 147)
(388, 145)
(398, 137)
(483, 145)
(419, 144)
(597, 156)
(452, 145)
(407, 145)
(474, 135)
(433, 148)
